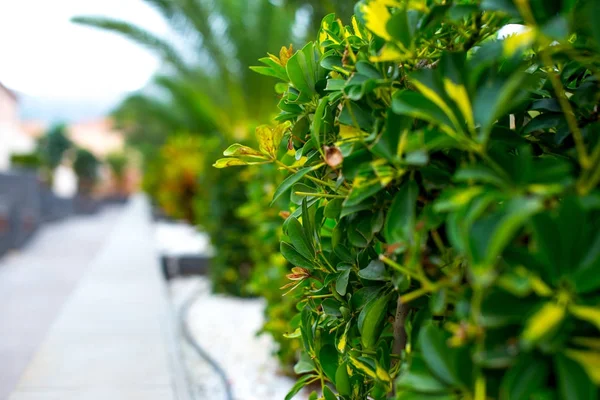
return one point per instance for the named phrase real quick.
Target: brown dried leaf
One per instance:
(333, 156)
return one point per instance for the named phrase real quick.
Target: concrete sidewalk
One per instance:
(36, 281)
(109, 340)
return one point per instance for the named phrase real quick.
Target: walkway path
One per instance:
(108, 341)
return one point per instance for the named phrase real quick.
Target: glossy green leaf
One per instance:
(401, 217)
(333, 208)
(301, 70)
(304, 365)
(374, 316)
(292, 255)
(296, 234)
(328, 394)
(341, 284)
(375, 271)
(342, 380)
(328, 357)
(289, 182)
(317, 123)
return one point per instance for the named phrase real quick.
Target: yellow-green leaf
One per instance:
(382, 374)
(435, 98)
(458, 93)
(295, 334)
(589, 360)
(278, 132)
(264, 135)
(586, 313)
(269, 138)
(232, 162)
(364, 368)
(341, 344)
(241, 150)
(542, 322)
(516, 42)
(377, 15)
(228, 162)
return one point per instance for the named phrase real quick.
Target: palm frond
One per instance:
(138, 35)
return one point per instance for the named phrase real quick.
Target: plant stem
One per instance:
(325, 195)
(320, 296)
(438, 241)
(415, 294)
(404, 270)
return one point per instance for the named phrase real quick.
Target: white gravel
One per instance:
(180, 238)
(225, 327)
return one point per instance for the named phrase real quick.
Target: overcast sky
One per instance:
(43, 54)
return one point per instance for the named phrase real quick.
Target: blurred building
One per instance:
(12, 138)
(97, 136)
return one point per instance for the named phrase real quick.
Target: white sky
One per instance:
(43, 54)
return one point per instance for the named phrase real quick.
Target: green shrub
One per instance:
(173, 177)
(444, 202)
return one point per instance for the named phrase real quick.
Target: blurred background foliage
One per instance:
(118, 163)
(85, 166)
(205, 97)
(51, 149)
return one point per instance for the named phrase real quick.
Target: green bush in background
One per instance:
(85, 166)
(443, 199)
(175, 185)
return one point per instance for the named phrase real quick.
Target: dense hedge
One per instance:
(443, 200)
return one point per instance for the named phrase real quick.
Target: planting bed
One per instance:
(223, 355)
